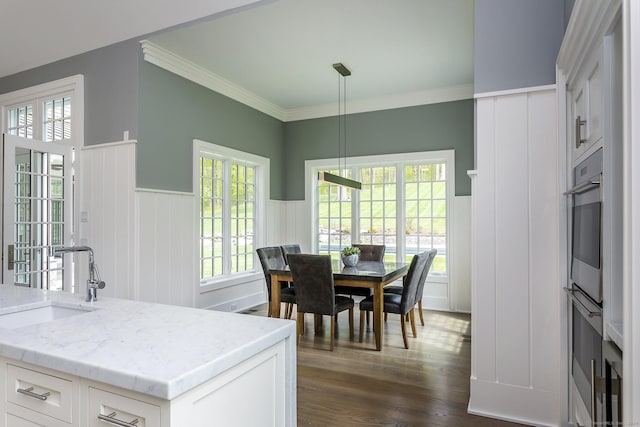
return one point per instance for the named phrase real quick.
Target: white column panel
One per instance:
(483, 308)
(544, 232)
(511, 256)
(167, 268)
(515, 275)
(106, 215)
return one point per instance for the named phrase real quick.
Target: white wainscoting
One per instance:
(105, 213)
(288, 222)
(166, 268)
(515, 361)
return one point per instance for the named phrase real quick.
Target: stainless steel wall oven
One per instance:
(586, 284)
(586, 236)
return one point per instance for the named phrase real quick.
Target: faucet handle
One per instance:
(100, 283)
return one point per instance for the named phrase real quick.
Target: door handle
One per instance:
(11, 261)
(579, 123)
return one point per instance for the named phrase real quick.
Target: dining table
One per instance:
(365, 274)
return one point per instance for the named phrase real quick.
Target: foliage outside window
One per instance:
(227, 213)
(402, 205)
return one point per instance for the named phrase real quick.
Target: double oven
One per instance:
(595, 373)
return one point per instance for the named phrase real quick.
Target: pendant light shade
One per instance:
(328, 177)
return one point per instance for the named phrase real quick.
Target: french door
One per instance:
(37, 212)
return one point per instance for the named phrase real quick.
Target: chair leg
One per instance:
(351, 324)
(403, 323)
(299, 326)
(412, 318)
(362, 315)
(333, 324)
(420, 312)
(269, 309)
(368, 318)
(317, 321)
(385, 316)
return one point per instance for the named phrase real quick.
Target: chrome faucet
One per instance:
(94, 283)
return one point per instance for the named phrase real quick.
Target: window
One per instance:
(405, 204)
(45, 115)
(231, 192)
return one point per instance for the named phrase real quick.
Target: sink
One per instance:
(32, 316)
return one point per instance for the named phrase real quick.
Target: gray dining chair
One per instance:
(293, 248)
(367, 253)
(315, 292)
(395, 289)
(400, 304)
(271, 257)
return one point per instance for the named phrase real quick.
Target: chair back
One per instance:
(370, 252)
(313, 277)
(290, 249)
(412, 282)
(270, 257)
(431, 254)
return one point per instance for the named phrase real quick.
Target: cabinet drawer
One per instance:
(46, 394)
(14, 421)
(123, 411)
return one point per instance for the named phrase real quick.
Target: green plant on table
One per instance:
(350, 250)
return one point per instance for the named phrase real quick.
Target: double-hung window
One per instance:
(231, 186)
(405, 203)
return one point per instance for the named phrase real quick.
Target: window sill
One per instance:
(228, 281)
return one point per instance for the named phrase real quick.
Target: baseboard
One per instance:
(507, 402)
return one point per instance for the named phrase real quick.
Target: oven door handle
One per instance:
(585, 186)
(585, 310)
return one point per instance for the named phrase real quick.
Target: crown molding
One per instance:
(411, 99)
(590, 21)
(176, 64)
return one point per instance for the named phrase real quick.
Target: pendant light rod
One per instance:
(329, 177)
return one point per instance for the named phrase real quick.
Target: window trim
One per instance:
(262, 195)
(312, 167)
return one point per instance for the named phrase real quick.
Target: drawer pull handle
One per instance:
(29, 392)
(111, 418)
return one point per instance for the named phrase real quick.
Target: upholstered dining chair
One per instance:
(370, 252)
(315, 291)
(395, 289)
(293, 248)
(271, 257)
(400, 304)
(367, 253)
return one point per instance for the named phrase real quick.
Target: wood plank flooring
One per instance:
(427, 385)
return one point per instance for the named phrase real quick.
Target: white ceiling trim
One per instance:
(412, 99)
(176, 64)
(189, 70)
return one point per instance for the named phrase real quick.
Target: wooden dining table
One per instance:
(366, 274)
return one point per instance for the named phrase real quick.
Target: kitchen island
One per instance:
(113, 361)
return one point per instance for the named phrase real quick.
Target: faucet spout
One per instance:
(94, 281)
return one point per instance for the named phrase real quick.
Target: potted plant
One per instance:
(350, 256)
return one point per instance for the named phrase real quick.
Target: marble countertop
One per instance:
(155, 349)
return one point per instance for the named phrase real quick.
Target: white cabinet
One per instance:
(55, 399)
(586, 102)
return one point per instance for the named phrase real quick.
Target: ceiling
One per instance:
(400, 52)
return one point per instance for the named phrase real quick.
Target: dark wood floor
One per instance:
(427, 385)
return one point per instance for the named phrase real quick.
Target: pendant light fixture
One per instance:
(343, 73)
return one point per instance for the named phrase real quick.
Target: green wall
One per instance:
(447, 125)
(174, 111)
